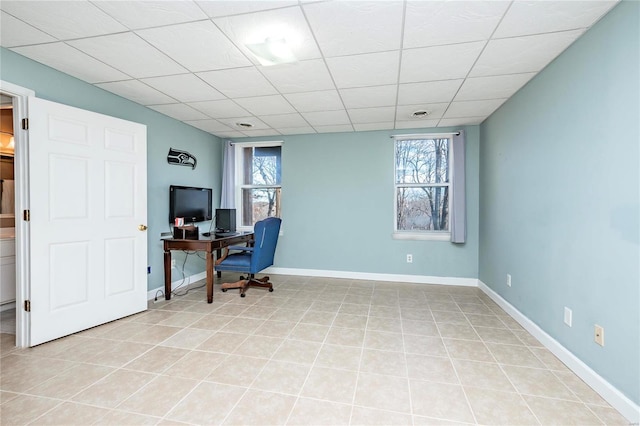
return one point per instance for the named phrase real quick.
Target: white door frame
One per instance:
(21, 164)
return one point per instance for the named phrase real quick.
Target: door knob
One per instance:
(142, 227)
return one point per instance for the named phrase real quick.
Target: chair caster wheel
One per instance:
(224, 290)
(270, 290)
(242, 295)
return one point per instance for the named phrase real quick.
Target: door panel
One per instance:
(87, 175)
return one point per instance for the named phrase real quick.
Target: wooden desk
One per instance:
(206, 244)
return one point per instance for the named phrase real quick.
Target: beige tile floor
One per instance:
(316, 351)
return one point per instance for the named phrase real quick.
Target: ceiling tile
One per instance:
(220, 109)
(137, 92)
(64, 19)
(371, 69)
(366, 97)
(232, 122)
(403, 112)
(473, 108)
(210, 125)
(184, 87)
(288, 23)
(198, 46)
(14, 32)
(145, 14)
(364, 127)
(139, 59)
(284, 120)
(179, 111)
(352, 27)
(230, 134)
(468, 121)
(334, 129)
(372, 115)
(226, 8)
(239, 82)
(266, 105)
(296, 130)
(416, 124)
(433, 23)
(261, 132)
(71, 61)
(428, 92)
(326, 118)
(536, 17)
(522, 54)
(492, 87)
(304, 76)
(439, 63)
(326, 100)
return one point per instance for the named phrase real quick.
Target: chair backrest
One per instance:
(265, 234)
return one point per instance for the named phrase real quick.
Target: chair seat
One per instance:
(240, 262)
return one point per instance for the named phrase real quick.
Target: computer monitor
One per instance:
(225, 220)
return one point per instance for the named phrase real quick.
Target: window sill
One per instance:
(422, 236)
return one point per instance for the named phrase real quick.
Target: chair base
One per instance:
(244, 283)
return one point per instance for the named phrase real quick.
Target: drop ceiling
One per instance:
(361, 65)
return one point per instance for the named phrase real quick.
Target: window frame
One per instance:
(239, 174)
(418, 234)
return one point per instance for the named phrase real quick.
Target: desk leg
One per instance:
(210, 263)
(167, 275)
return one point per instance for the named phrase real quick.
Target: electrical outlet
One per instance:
(509, 280)
(568, 316)
(173, 263)
(598, 335)
(409, 258)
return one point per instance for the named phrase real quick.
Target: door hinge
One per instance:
(25, 124)
(27, 305)
(26, 215)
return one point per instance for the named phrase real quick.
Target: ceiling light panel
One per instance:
(180, 112)
(439, 62)
(536, 17)
(220, 109)
(184, 87)
(226, 8)
(371, 69)
(522, 54)
(304, 76)
(199, 46)
(326, 100)
(146, 14)
(14, 32)
(137, 92)
(428, 92)
(473, 108)
(350, 27)
(372, 115)
(326, 118)
(65, 58)
(129, 54)
(239, 82)
(368, 97)
(64, 19)
(266, 105)
(288, 24)
(433, 23)
(492, 87)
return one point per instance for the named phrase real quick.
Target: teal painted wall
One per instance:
(162, 132)
(337, 208)
(559, 190)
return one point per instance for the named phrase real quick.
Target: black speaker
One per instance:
(225, 220)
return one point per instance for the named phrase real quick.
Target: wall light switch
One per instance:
(568, 316)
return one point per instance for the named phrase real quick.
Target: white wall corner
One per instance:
(607, 391)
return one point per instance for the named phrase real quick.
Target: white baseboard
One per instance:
(613, 396)
(151, 294)
(418, 279)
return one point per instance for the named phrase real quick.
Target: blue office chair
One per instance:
(253, 259)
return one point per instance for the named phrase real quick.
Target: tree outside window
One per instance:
(422, 182)
(260, 189)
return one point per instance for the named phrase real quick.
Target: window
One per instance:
(423, 168)
(259, 171)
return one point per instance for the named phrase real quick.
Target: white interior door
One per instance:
(88, 182)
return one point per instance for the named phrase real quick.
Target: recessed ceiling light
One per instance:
(420, 113)
(244, 125)
(272, 51)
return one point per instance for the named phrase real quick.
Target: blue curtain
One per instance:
(458, 208)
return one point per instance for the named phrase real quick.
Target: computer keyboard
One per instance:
(226, 234)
